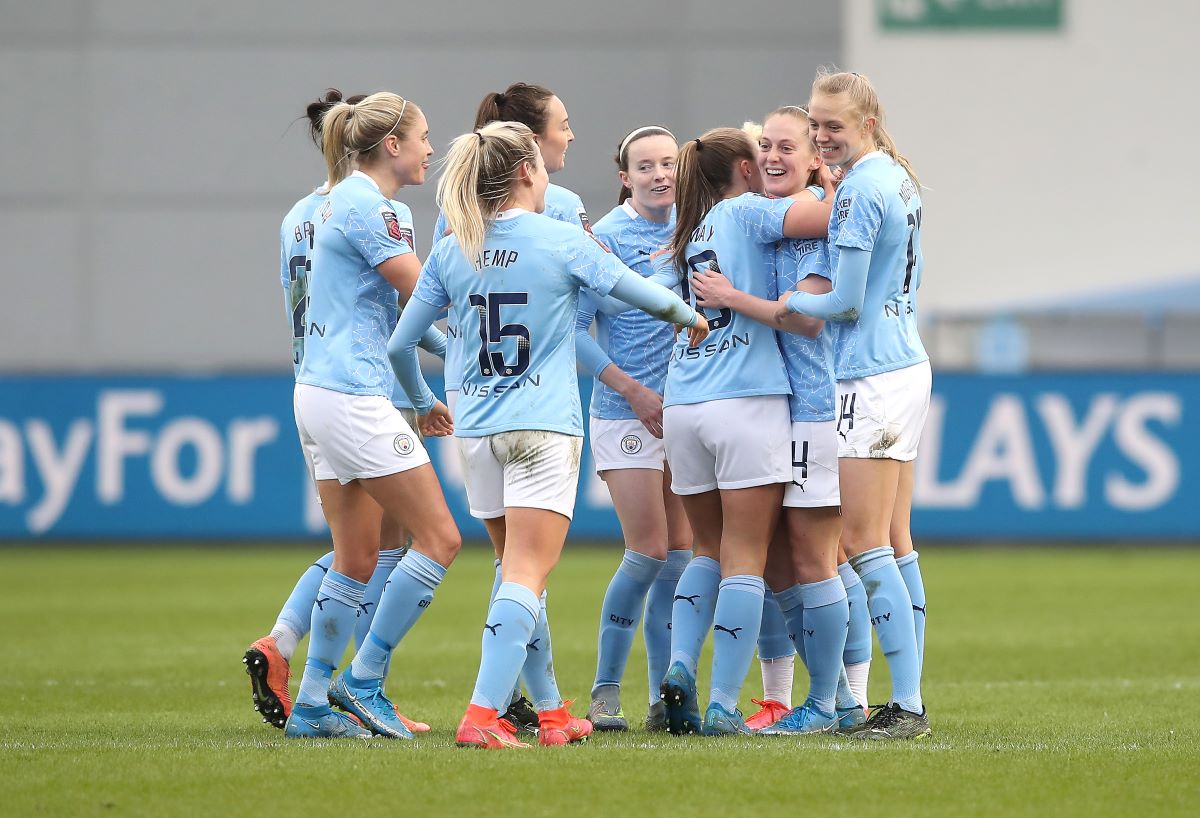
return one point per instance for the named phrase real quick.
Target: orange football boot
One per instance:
(269, 675)
(413, 726)
(771, 711)
(480, 728)
(557, 727)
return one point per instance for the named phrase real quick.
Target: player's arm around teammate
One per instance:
(726, 424)
(365, 456)
(882, 371)
(629, 361)
(802, 567)
(514, 276)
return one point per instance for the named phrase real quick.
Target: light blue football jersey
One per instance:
(561, 205)
(636, 342)
(517, 315)
(352, 308)
(740, 357)
(295, 246)
(877, 207)
(809, 361)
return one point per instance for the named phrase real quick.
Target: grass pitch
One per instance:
(1058, 682)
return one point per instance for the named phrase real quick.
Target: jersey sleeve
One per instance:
(760, 217)
(439, 229)
(285, 273)
(430, 287)
(404, 218)
(591, 267)
(859, 214)
(378, 234)
(588, 352)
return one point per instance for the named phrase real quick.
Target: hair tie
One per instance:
(480, 135)
(501, 98)
(699, 144)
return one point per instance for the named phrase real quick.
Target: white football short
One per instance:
(814, 466)
(520, 469)
(881, 416)
(625, 444)
(349, 437)
(734, 443)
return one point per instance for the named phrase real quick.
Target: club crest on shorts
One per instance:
(403, 444)
(631, 444)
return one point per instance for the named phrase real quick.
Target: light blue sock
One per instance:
(825, 618)
(296, 615)
(538, 672)
(735, 635)
(695, 600)
(333, 614)
(516, 691)
(792, 606)
(620, 613)
(408, 595)
(892, 616)
(858, 637)
(656, 628)
(506, 632)
(773, 639)
(916, 592)
(375, 588)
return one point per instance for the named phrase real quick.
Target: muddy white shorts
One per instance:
(348, 437)
(814, 466)
(881, 416)
(520, 469)
(735, 443)
(625, 444)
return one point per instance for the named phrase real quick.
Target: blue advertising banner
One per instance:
(1025, 457)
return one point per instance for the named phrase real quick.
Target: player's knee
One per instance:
(444, 544)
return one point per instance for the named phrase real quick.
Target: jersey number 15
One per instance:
(492, 330)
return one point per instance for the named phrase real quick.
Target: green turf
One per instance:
(1058, 682)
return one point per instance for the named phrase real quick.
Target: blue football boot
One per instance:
(720, 722)
(801, 721)
(683, 706)
(322, 722)
(850, 719)
(369, 704)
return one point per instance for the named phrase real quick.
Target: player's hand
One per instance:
(660, 251)
(784, 311)
(698, 331)
(437, 421)
(712, 289)
(648, 406)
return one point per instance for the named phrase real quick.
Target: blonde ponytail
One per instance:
(350, 133)
(477, 179)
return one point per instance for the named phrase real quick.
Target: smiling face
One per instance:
(557, 136)
(842, 136)
(786, 155)
(651, 172)
(410, 155)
